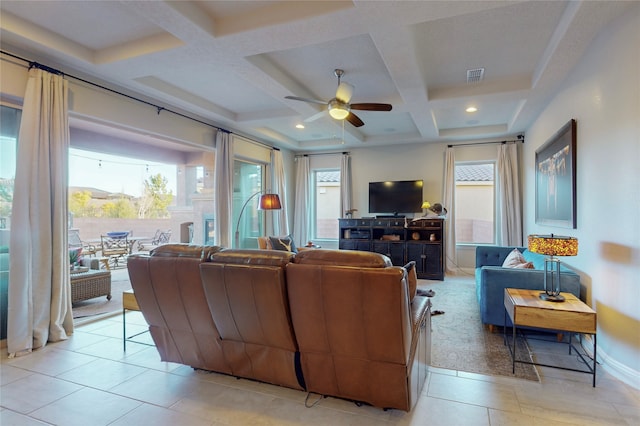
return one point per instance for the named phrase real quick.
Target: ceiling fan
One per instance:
(339, 106)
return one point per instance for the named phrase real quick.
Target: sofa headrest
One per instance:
(252, 257)
(363, 259)
(184, 250)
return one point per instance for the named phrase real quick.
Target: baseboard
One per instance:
(618, 370)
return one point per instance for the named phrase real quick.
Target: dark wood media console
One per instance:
(421, 240)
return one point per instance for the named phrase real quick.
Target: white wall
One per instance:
(400, 162)
(98, 107)
(410, 162)
(603, 95)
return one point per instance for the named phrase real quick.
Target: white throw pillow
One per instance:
(514, 259)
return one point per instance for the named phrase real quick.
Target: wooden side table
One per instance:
(526, 309)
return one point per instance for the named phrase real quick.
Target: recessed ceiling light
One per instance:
(299, 126)
(471, 109)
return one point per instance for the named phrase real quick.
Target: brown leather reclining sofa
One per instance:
(169, 292)
(332, 322)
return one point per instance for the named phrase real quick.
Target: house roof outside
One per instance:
(474, 173)
(329, 176)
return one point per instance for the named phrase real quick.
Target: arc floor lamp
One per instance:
(267, 201)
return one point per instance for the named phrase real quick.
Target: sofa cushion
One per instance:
(535, 258)
(362, 259)
(252, 257)
(514, 259)
(264, 243)
(284, 243)
(184, 250)
(538, 262)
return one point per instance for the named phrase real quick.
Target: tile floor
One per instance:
(88, 380)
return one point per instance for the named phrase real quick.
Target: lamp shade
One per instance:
(553, 245)
(269, 202)
(426, 205)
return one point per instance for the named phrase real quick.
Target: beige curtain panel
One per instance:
(39, 301)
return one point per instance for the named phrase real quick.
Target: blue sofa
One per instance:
(492, 279)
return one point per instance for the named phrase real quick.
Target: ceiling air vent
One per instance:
(476, 75)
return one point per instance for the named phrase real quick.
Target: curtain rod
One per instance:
(520, 139)
(322, 153)
(33, 64)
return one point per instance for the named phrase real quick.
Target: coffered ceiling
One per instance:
(232, 63)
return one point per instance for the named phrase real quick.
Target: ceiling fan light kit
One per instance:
(339, 107)
(338, 110)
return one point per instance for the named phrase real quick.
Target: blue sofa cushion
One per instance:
(535, 258)
(538, 261)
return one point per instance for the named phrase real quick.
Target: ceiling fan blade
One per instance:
(344, 92)
(313, 101)
(371, 107)
(316, 116)
(354, 119)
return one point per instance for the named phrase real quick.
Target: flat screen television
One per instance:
(395, 197)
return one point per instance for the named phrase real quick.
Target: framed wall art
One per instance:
(556, 179)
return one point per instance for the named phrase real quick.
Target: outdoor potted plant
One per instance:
(74, 257)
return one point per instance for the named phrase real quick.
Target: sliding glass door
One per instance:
(9, 126)
(248, 180)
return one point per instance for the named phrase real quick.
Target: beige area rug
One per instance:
(98, 306)
(459, 340)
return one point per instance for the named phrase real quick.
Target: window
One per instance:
(248, 180)
(9, 126)
(326, 209)
(475, 203)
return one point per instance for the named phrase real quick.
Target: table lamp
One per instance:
(425, 206)
(552, 245)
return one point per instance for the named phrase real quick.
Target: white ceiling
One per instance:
(233, 62)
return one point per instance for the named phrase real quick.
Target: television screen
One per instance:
(394, 197)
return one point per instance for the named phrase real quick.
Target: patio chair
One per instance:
(160, 237)
(76, 242)
(114, 249)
